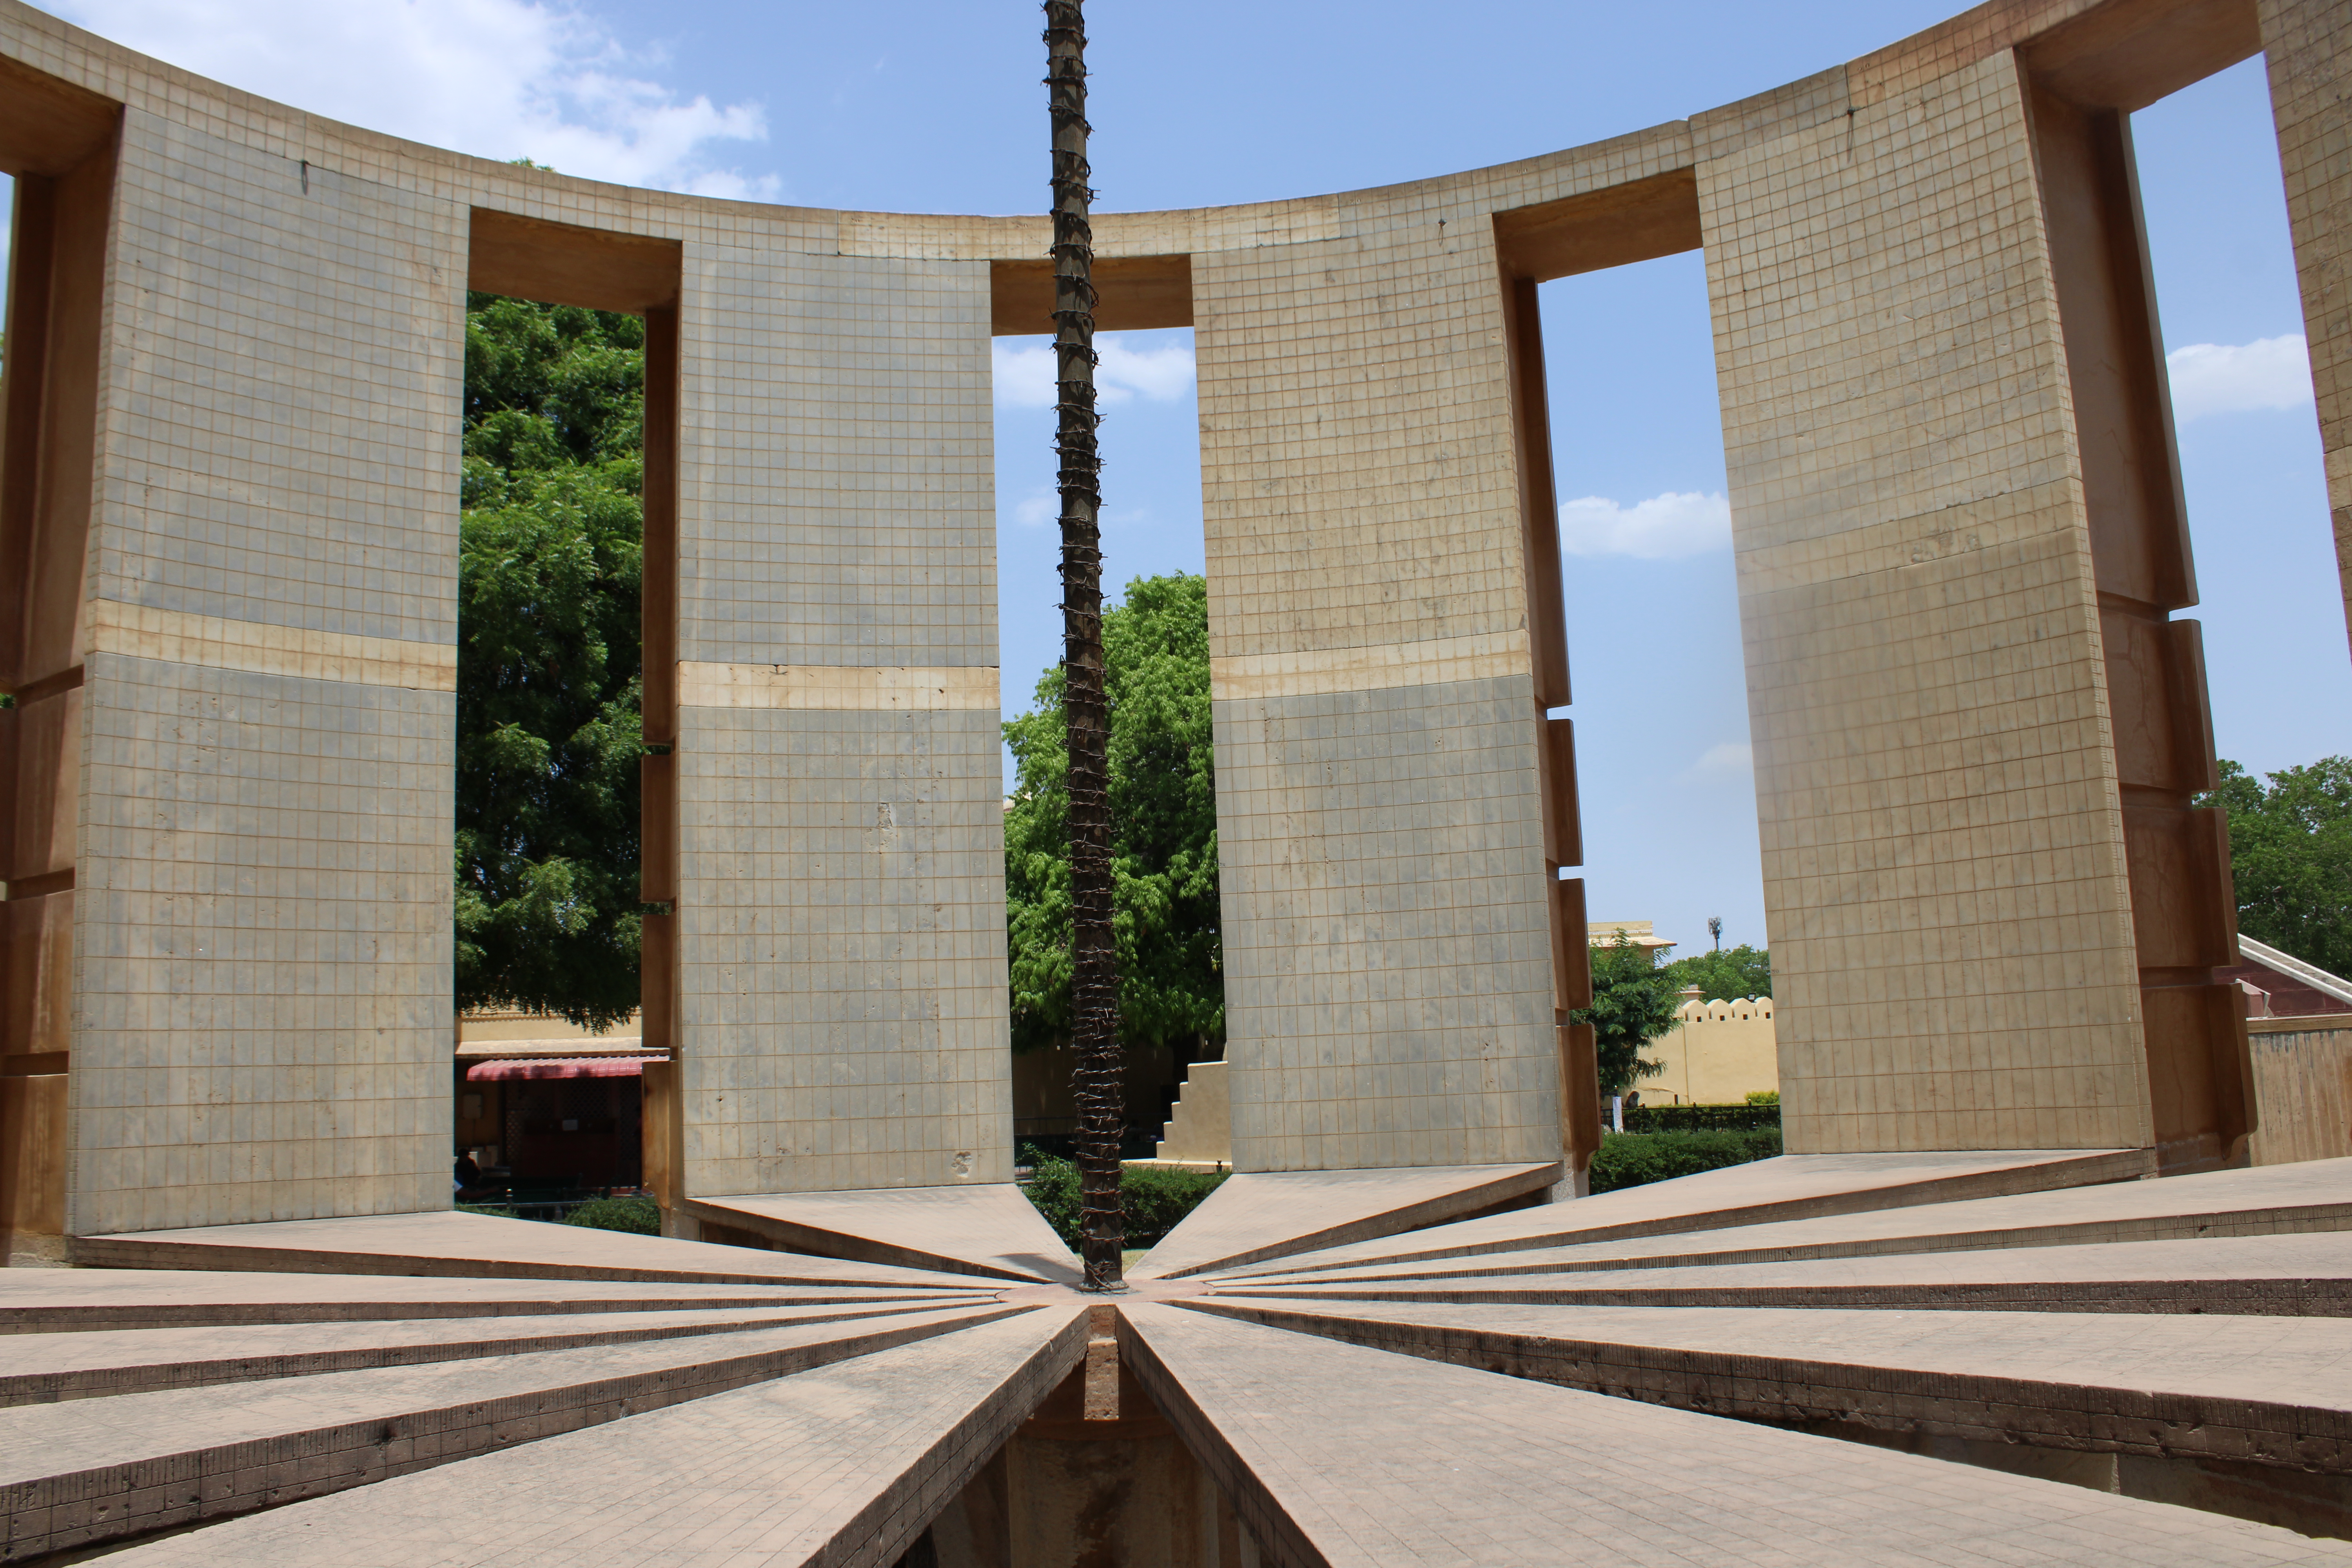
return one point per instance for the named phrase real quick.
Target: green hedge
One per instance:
(1154, 1199)
(1692, 1118)
(1636, 1159)
(640, 1217)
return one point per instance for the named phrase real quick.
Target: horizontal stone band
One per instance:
(1483, 656)
(179, 637)
(841, 689)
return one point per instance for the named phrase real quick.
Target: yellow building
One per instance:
(1719, 1054)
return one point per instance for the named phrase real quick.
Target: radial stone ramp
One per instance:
(845, 1464)
(49, 1301)
(1254, 1216)
(1790, 1186)
(1339, 1455)
(2181, 1342)
(479, 1246)
(91, 1470)
(2244, 1390)
(990, 1230)
(2306, 1275)
(2282, 1200)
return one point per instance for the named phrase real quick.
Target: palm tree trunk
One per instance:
(1094, 962)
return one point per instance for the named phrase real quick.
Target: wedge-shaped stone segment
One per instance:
(2275, 1200)
(2262, 1276)
(44, 1369)
(97, 1469)
(53, 1300)
(1339, 1456)
(991, 1230)
(1791, 1186)
(2265, 1391)
(480, 1246)
(1255, 1216)
(842, 1465)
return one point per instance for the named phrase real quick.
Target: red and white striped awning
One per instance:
(561, 1067)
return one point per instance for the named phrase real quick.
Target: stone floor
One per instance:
(1953, 1359)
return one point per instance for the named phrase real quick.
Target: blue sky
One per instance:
(939, 109)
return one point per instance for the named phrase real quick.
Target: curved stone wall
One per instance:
(1977, 725)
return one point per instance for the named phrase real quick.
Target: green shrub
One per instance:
(639, 1216)
(486, 1209)
(1636, 1159)
(1763, 1096)
(1155, 1199)
(1700, 1118)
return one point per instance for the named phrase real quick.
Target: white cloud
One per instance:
(1037, 509)
(501, 79)
(1727, 759)
(2224, 378)
(1024, 371)
(1663, 528)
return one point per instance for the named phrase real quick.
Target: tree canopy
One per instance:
(549, 660)
(1724, 974)
(2291, 857)
(1633, 1002)
(1164, 826)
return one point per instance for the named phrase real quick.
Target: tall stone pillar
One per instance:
(1379, 800)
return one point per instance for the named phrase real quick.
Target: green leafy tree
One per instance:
(549, 660)
(1163, 806)
(1633, 1002)
(2291, 857)
(1726, 974)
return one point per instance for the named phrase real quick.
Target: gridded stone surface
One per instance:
(2307, 45)
(1943, 856)
(843, 952)
(1387, 947)
(262, 949)
(262, 921)
(839, 502)
(1387, 943)
(1365, 1458)
(282, 447)
(842, 896)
